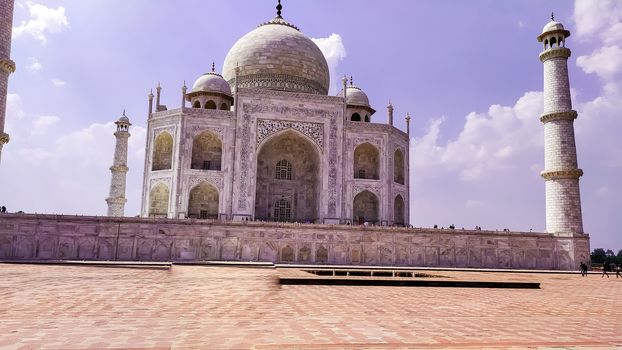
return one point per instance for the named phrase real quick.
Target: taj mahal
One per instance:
(259, 163)
(278, 147)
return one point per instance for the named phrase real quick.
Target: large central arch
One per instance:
(288, 176)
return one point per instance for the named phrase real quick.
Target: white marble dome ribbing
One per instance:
(211, 83)
(277, 56)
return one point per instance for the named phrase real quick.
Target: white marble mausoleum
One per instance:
(265, 141)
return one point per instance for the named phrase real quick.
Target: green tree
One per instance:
(598, 256)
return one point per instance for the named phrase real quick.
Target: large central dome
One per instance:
(277, 56)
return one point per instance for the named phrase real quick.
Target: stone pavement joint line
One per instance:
(201, 307)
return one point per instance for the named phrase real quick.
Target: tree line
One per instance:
(600, 255)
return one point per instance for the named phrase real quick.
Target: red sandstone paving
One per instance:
(197, 307)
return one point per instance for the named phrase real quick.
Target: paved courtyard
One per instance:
(198, 307)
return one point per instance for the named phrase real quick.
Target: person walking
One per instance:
(606, 267)
(583, 269)
(618, 271)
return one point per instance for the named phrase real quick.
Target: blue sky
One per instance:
(467, 71)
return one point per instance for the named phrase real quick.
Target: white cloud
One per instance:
(65, 171)
(41, 124)
(14, 108)
(34, 65)
(42, 20)
(488, 142)
(58, 82)
(606, 62)
(599, 18)
(334, 51)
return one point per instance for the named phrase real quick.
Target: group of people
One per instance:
(607, 266)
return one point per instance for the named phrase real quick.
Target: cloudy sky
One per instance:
(467, 71)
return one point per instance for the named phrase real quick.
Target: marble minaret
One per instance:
(561, 172)
(116, 201)
(6, 65)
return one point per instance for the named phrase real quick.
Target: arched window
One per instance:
(203, 202)
(158, 200)
(365, 208)
(282, 210)
(546, 44)
(366, 162)
(224, 107)
(210, 105)
(398, 210)
(162, 152)
(196, 104)
(206, 152)
(356, 117)
(398, 167)
(560, 40)
(367, 118)
(283, 170)
(553, 42)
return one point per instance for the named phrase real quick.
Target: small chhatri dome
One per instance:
(123, 120)
(553, 27)
(277, 56)
(355, 96)
(211, 83)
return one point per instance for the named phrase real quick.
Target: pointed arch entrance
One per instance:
(203, 202)
(158, 200)
(398, 210)
(288, 179)
(365, 208)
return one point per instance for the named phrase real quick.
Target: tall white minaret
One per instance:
(6, 65)
(116, 201)
(561, 172)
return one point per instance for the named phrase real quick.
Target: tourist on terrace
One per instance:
(583, 269)
(606, 267)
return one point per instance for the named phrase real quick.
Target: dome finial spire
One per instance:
(278, 9)
(351, 81)
(552, 16)
(213, 67)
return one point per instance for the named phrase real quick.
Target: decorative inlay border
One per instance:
(566, 115)
(155, 181)
(169, 129)
(332, 167)
(358, 188)
(361, 140)
(283, 82)
(290, 95)
(315, 131)
(214, 179)
(244, 161)
(561, 174)
(193, 131)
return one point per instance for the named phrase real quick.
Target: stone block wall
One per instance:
(44, 237)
